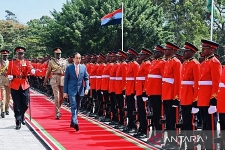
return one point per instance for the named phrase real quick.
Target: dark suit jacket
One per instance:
(74, 85)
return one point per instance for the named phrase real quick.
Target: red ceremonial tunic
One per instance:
(153, 84)
(120, 77)
(112, 79)
(105, 77)
(171, 79)
(189, 82)
(208, 85)
(93, 74)
(221, 94)
(141, 77)
(99, 76)
(20, 70)
(132, 69)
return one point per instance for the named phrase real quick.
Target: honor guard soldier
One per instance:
(56, 67)
(208, 85)
(4, 83)
(112, 88)
(170, 91)
(101, 65)
(131, 73)
(154, 90)
(221, 108)
(140, 91)
(92, 74)
(105, 86)
(17, 73)
(88, 65)
(120, 85)
(189, 89)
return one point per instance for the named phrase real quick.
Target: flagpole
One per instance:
(122, 25)
(212, 16)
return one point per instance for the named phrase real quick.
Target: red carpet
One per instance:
(92, 135)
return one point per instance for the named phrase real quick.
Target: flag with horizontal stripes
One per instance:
(112, 18)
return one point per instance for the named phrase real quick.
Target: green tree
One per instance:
(11, 16)
(219, 25)
(187, 21)
(13, 34)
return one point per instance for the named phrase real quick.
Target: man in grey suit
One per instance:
(76, 76)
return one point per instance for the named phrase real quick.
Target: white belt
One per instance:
(168, 80)
(129, 78)
(204, 82)
(98, 77)
(140, 78)
(118, 78)
(105, 76)
(112, 78)
(154, 76)
(222, 85)
(187, 82)
(91, 77)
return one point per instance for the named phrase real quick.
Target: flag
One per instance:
(112, 18)
(209, 7)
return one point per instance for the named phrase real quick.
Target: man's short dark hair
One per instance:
(76, 53)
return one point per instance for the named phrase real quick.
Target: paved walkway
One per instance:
(11, 139)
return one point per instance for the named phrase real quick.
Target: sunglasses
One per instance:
(20, 53)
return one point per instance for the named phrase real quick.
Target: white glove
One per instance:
(212, 109)
(10, 77)
(32, 71)
(124, 96)
(135, 97)
(144, 98)
(194, 110)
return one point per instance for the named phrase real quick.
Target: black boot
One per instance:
(7, 112)
(3, 114)
(18, 125)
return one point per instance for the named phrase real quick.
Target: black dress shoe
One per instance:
(113, 123)
(3, 114)
(7, 112)
(119, 126)
(72, 125)
(76, 127)
(132, 130)
(92, 115)
(125, 129)
(141, 136)
(58, 115)
(23, 122)
(170, 146)
(105, 120)
(18, 125)
(136, 135)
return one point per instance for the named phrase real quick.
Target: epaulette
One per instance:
(188, 60)
(209, 57)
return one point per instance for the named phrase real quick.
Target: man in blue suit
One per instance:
(76, 76)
